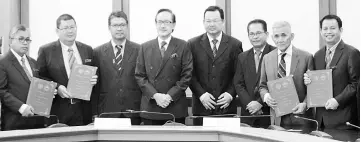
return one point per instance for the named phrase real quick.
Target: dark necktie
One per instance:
(25, 69)
(282, 66)
(162, 48)
(118, 57)
(214, 48)
(328, 58)
(72, 59)
(257, 58)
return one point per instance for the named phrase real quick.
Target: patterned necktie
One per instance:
(72, 59)
(256, 59)
(282, 66)
(162, 48)
(328, 58)
(214, 48)
(24, 67)
(118, 57)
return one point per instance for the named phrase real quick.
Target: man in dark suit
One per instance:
(55, 61)
(284, 61)
(215, 55)
(344, 60)
(246, 78)
(118, 89)
(163, 72)
(16, 71)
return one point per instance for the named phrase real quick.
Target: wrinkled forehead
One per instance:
(281, 27)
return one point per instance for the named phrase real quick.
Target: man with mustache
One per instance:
(55, 61)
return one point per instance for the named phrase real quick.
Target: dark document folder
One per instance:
(320, 89)
(283, 90)
(79, 85)
(40, 96)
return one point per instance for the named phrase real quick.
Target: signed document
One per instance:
(79, 85)
(320, 89)
(283, 90)
(40, 96)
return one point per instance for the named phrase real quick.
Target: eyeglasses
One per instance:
(255, 34)
(119, 26)
(23, 39)
(164, 22)
(68, 28)
(208, 21)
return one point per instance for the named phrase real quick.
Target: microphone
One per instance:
(109, 113)
(168, 123)
(217, 115)
(316, 132)
(349, 124)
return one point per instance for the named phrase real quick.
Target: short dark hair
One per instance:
(214, 8)
(64, 17)
(328, 17)
(17, 28)
(166, 10)
(117, 14)
(258, 21)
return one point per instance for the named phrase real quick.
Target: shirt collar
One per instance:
(254, 50)
(334, 46)
(288, 51)
(65, 47)
(219, 38)
(166, 40)
(114, 44)
(17, 56)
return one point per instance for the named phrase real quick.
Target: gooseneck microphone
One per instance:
(349, 124)
(172, 122)
(109, 113)
(217, 115)
(317, 132)
(308, 120)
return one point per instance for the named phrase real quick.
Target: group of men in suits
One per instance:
(153, 76)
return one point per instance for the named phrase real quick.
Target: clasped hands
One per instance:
(163, 100)
(208, 100)
(62, 90)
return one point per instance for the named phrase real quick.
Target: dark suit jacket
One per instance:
(301, 61)
(345, 75)
(51, 67)
(170, 75)
(213, 74)
(118, 90)
(14, 87)
(246, 79)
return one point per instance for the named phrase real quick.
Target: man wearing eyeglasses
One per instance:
(55, 61)
(247, 75)
(163, 71)
(215, 55)
(117, 90)
(16, 71)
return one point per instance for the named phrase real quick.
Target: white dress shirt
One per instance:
(66, 56)
(166, 40)
(219, 38)
(116, 49)
(287, 58)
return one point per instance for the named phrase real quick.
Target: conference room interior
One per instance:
(91, 18)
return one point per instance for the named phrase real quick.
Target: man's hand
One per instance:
(224, 99)
(269, 100)
(161, 100)
(208, 100)
(300, 108)
(93, 80)
(29, 111)
(253, 107)
(306, 79)
(63, 93)
(331, 104)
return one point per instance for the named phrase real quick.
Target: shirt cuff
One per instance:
(22, 108)
(265, 97)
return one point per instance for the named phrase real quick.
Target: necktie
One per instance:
(25, 69)
(256, 59)
(118, 57)
(282, 66)
(71, 58)
(162, 48)
(328, 58)
(214, 48)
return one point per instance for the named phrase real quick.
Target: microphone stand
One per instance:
(349, 124)
(168, 123)
(316, 132)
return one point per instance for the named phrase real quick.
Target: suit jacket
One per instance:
(246, 79)
(345, 75)
(213, 74)
(301, 61)
(52, 67)
(14, 87)
(170, 75)
(117, 90)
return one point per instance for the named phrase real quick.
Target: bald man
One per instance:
(284, 61)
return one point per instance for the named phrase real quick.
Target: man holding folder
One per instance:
(284, 61)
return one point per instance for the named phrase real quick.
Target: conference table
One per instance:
(159, 134)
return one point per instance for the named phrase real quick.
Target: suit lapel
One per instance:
(156, 56)
(207, 47)
(82, 52)
(294, 60)
(109, 52)
(274, 60)
(251, 63)
(222, 47)
(128, 51)
(18, 66)
(265, 51)
(170, 49)
(32, 66)
(320, 60)
(337, 54)
(59, 56)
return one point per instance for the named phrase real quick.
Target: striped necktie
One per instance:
(282, 66)
(118, 57)
(328, 58)
(72, 58)
(214, 48)
(256, 59)
(162, 48)
(25, 69)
